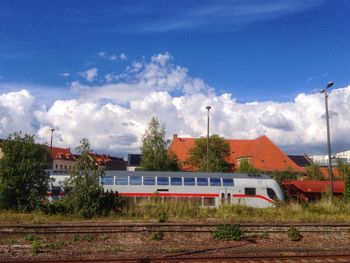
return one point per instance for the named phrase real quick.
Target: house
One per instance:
(261, 152)
(134, 161)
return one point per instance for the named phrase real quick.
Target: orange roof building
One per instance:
(262, 153)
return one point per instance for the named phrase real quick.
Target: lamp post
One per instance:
(330, 84)
(208, 108)
(52, 130)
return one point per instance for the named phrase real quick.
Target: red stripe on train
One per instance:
(193, 195)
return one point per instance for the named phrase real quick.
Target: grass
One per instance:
(313, 212)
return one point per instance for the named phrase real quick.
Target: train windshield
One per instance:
(271, 193)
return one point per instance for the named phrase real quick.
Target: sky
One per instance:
(101, 69)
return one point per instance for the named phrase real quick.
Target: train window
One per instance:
(107, 180)
(202, 181)
(121, 180)
(189, 181)
(271, 193)
(249, 191)
(162, 181)
(149, 181)
(135, 180)
(227, 181)
(176, 181)
(215, 181)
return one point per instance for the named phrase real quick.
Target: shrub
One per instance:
(157, 235)
(31, 237)
(162, 217)
(36, 247)
(293, 234)
(265, 235)
(228, 232)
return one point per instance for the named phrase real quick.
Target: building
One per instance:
(261, 152)
(134, 162)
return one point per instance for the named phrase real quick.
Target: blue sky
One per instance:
(255, 50)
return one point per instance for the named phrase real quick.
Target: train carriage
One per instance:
(208, 189)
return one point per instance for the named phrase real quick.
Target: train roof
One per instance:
(189, 174)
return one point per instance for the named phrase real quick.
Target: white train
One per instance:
(208, 189)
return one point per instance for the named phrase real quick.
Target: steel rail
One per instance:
(164, 227)
(239, 258)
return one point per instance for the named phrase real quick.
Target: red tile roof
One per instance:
(311, 186)
(61, 153)
(264, 154)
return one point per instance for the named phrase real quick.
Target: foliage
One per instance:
(219, 151)
(162, 217)
(31, 237)
(246, 167)
(157, 235)
(313, 172)
(228, 232)
(154, 154)
(265, 235)
(293, 234)
(344, 170)
(36, 247)
(85, 197)
(287, 174)
(23, 180)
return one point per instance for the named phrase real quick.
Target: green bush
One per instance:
(36, 247)
(157, 235)
(293, 234)
(162, 217)
(31, 237)
(228, 232)
(265, 235)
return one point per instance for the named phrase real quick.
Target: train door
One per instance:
(225, 195)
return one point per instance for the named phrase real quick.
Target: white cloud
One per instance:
(16, 112)
(122, 56)
(114, 115)
(112, 57)
(90, 74)
(64, 74)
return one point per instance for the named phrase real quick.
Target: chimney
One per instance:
(174, 136)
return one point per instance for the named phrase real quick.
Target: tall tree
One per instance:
(23, 180)
(154, 153)
(313, 172)
(85, 194)
(219, 151)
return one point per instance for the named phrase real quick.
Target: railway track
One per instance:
(163, 227)
(252, 259)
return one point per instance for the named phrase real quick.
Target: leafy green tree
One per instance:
(85, 196)
(344, 170)
(288, 174)
(154, 153)
(219, 151)
(23, 180)
(313, 172)
(246, 167)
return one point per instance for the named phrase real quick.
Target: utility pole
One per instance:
(52, 130)
(330, 173)
(208, 109)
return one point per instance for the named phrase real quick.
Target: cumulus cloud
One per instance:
(90, 74)
(114, 115)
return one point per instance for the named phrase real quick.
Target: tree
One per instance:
(23, 180)
(313, 171)
(246, 167)
(154, 153)
(85, 195)
(219, 151)
(344, 170)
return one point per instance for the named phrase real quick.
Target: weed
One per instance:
(103, 237)
(265, 235)
(36, 247)
(31, 237)
(56, 245)
(11, 241)
(157, 235)
(228, 232)
(116, 249)
(87, 237)
(178, 249)
(293, 234)
(76, 237)
(162, 217)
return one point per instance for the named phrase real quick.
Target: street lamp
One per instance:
(208, 108)
(52, 130)
(330, 84)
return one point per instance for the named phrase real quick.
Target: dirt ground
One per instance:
(170, 245)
